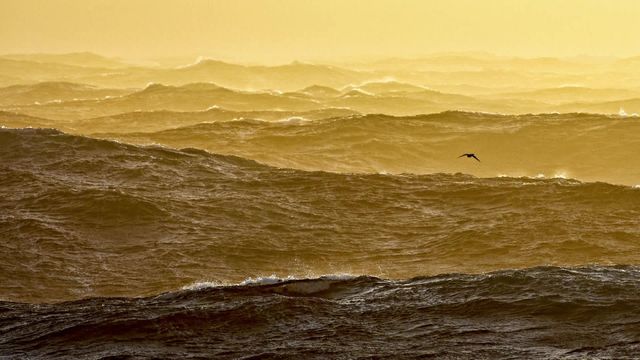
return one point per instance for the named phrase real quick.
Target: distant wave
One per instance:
(584, 146)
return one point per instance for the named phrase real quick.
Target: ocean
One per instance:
(157, 246)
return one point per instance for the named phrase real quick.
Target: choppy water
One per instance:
(547, 312)
(84, 218)
(588, 147)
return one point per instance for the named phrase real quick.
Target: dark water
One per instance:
(546, 312)
(108, 226)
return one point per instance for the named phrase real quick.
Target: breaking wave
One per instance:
(543, 312)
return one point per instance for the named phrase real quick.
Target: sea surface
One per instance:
(355, 237)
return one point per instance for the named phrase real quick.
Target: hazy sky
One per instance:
(284, 30)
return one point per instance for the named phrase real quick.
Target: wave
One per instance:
(543, 312)
(81, 217)
(588, 147)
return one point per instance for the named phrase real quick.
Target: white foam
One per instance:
(264, 280)
(624, 114)
(199, 285)
(294, 120)
(198, 60)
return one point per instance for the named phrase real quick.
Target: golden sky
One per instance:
(272, 31)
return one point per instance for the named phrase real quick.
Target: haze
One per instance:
(286, 30)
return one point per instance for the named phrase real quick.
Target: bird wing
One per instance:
(473, 156)
(462, 155)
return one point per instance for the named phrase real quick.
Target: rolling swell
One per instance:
(544, 312)
(83, 217)
(589, 147)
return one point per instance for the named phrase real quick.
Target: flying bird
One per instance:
(469, 156)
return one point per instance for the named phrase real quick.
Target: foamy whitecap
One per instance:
(265, 280)
(340, 276)
(294, 120)
(199, 285)
(198, 60)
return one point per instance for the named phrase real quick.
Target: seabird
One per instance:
(469, 156)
